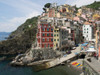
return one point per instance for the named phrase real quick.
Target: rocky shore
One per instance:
(35, 56)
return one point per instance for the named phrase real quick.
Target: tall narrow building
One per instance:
(44, 35)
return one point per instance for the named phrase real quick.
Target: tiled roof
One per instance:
(87, 23)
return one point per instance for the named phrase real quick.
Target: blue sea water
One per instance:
(6, 69)
(4, 35)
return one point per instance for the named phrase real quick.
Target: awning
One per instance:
(91, 50)
(84, 44)
(91, 47)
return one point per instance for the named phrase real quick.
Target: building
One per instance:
(44, 35)
(56, 38)
(97, 37)
(88, 31)
(63, 37)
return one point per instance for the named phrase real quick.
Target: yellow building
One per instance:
(67, 10)
(56, 40)
(79, 12)
(95, 16)
(58, 15)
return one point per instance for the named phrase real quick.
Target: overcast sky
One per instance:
(14, 12)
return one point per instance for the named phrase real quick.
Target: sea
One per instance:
(6, 69)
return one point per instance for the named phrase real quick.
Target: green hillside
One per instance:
(21, 39)
(95, 5)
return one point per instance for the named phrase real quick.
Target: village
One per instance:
(64, 34)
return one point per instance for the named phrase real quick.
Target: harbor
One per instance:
(45, 64)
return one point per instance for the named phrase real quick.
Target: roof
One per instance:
(88, 23)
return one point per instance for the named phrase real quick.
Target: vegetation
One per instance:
(95, 5)
(21, 39)
(47, 5)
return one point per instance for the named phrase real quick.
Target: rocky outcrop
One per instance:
(35, 56)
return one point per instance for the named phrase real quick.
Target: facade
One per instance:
(56, 38)
(97, 37)
(63, 36)
(45, 35)
(51, 12)
(88, 31)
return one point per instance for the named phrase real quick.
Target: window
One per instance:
(48, 25)
(87, 28)
(54, 30)
(57, 34)
(42, 24)
(45, 45)
(57, 39)
(87, 31)
(43, 40)
(47, 29)
(52, 40)
(87, 35)
(54, 34)
(51, 29)
(69, 38)
(51, 34)
(47, 34)
(56, 44)
(68, 27)
(57, 30)
(47, 39)
(48, 45)
(43, 34)
(43, 29)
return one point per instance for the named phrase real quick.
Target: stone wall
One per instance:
(88, 69)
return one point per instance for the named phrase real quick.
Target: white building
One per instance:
(88, 31)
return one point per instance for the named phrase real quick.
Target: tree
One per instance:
(44, 9)
(47, 5)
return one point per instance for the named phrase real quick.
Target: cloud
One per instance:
(26, 9)
(24, 6)
(13, 23)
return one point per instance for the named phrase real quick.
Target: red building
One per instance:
(45, 35)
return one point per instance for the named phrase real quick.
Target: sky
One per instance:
(15, 12)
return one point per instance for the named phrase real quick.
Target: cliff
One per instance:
(21, 39)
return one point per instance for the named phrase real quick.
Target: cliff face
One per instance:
(21, 39)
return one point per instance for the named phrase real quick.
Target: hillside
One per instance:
(95, 5)
(24, 27)
(21, 39)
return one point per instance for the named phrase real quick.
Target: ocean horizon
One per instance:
(4, 35)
